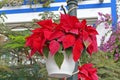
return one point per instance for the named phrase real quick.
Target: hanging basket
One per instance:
(66, 69)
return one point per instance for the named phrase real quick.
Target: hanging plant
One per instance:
(69, 34)
(65, 40)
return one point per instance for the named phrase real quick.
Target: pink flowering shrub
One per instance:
(112, 45)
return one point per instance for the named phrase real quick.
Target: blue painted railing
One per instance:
(27, 10)
(114, 13)
(25, 1)
(112, 5)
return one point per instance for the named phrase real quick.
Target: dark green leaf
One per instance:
(68, 51)
(60, 50)
(59, 57)
(46, 52)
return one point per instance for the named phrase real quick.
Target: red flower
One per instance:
(35, 42)
(69, 33)
(68, 41)
(87, 72)
(77, 50)
(54, 47)
(39, 37)
(80, 33)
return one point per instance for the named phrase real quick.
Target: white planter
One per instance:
(66, 69)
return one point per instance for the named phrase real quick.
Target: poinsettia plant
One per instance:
(69, 35)
(87, 72)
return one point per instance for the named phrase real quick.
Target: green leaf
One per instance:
(68, 51)
(60, 50)
(46, 51)
(59, 57)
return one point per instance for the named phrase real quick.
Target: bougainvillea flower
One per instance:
(87, 72)
(69, 33)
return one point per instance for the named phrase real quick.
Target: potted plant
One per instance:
(62, 43)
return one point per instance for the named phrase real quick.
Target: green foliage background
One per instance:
(108, 69)
(13, 66)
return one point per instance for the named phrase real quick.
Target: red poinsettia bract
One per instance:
(87, 72)
(38, 39)
(70, 33)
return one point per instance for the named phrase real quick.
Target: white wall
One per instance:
(81, 13)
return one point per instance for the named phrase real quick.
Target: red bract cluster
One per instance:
(69, 33)
(87, 72)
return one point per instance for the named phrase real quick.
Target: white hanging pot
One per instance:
(66, 69)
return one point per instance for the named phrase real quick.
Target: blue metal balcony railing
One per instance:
(26, 1)
(111, 5)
